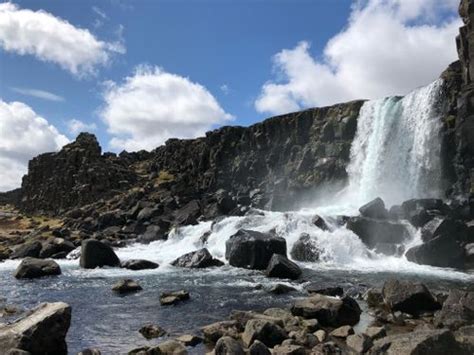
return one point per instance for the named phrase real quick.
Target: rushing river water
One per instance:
(395, 155)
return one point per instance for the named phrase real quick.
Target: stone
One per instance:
(31, 268)
(188, 214)
(289, 350)
(316, 287)
(321, 335)
(328, 348)
(409, 297)
(280, 289)
(97, 254)
(359, 343)
(168, 347)
(373, 297)
(42, 331)
(213, 332)
(444, 226)
(90, 352)
(29, 249)
(138, 264)
(441, 251)
(56, 246)
(152, 234)
(433, 342)
(457, 310)
(189, 339)
(253, 250)
(174, 297)
(228, 346)
(375, 333)
(372, 231)
(280, 266)
(126, 286)
(197, 260)
(374, 209)
(305, 249)
(267, 332)
(151, 331)
(342, 332)
(258, 348)
(319, 222)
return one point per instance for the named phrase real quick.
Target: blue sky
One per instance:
(138, 72)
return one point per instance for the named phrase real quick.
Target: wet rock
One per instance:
(228, 346)
(374, 209)
(90, 352)
(174, 297)
(426, 204)
(169, 347)
(152, 233)
(375, 333)
(372, 231)
(444, 226)
(197, 260)
(29, 249)
(319, 222)
(329, 311)
(289, 350)
(359, 343)
(97, 254)
(267, 332)
(253, 250)
(328, 348)
(42, 331)
(31, 268)
(280, 289)
(316, 287)
(213, 332)
(151, 331)
(409, 297)
(148, 213)
(342, 332)
(139, 264)
(126, 286)
(305, 249)
(457, 310)
(420, 342)
(244, 316)
(280, 266)
(57, 246)
(188, 214)
(189, 340)
(259, 348)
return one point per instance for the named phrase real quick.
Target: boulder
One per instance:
(56, 246)
(316, 287)
(253, 250)
(189, 339)
(305, 249)
(441, 251)
(265, 331)
(197, 260)
(188, 214)
(342, 332)
(375, 333)
(228, 346)
(29, 249)
(280, 266)
(151, 331)
(213, 332)
(126, 286)
(138, 264)
(329, 311)
(280, 289)
(289, 349)
(374, 209)
(328, 348)
(457, 310)
(259, 348)
(408, 297)
(319, 222)
(418, 218)
(433, 342)
(42, 331)
(174, 297)
(359, 343)
(31, 268)
(426, 204)
(97, 254)
(372, 231)
(444, 226)
(152, 233)
(168, 347)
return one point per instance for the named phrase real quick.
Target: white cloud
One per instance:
(76, 126)
(52, 39)
(225, 89)
(389, 47)
(152, 106)
(23, 135)
(40, 94)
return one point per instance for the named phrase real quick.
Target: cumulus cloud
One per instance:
(153, 105)
(388, 47)
(23, 135)
(40, 94)
(52, 39)
(76, 126)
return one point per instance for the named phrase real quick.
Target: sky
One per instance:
(137, 73)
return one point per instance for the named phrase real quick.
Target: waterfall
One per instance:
(396, 151)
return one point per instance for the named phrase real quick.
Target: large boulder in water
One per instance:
(305, 249)
(197, 260)
(253, 250)
(280, 266)
(373, 231)
(408, 297)
(442, 251)
(139, 264)
(97, 254)
(56, 246)
(329, 311)
(42, 331)
(31, 268)
(445, 226)
(374, 209)
(457, 311)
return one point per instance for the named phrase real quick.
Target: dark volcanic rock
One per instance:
(319, 222)
(97, 254)
(443, 251)
(42, 331)
(139, 264)
(305, 249)
(408, 297)
(197, 259)
(280, 266)
(31, 268)
(31, 249)
(263, 330)
(458, 310)
(228, 346)
(374, 209)
(372, 231)
(151, 331)
(253, 250)
(56, 246)
(152, 233)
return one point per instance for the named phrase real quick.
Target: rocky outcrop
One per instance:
(31, 268)
(42, 331)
